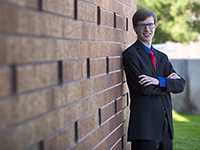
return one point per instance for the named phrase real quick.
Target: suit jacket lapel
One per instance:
(141, 50)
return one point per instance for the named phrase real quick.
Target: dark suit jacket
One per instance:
(149, 103)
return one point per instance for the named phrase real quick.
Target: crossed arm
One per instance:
(147, 80)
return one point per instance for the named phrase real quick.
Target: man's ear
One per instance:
(135, 29)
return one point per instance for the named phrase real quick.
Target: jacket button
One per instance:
(163, 108)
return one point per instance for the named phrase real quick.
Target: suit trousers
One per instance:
(165, 143)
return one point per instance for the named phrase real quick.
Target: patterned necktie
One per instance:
(153, 59)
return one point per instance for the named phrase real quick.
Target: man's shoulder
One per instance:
(130, 49)
(158, 52)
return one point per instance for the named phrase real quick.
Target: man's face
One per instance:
(145, 32)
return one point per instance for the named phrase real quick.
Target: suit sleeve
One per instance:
(133, 70)
(174, 85)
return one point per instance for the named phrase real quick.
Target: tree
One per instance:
(178, 20)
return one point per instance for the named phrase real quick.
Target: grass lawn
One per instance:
(186, 131)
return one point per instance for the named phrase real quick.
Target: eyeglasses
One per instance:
(143, 26)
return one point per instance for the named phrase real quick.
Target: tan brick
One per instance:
(99, 134)
(125, 88)
(123, 76)
(72, 29)
(89, 31)
(116, 50)
(108, 97)
(129, 37)
(104, 4)
(25, 24)
(61, 7)
(107, 18)
(125, 126)
(62, 50)
(90, 50)
(90, 86)
(88, 143)
(111, 140)
(61, 140)
(130, 25)
(111, 5)
(119, 77)
(88, 124)
(117, 91)
(21, 50)
(37, 23)
(91, 13)
(125, 140)
(32, 77)
(97, 66)
(25, 107)
(5, 82)
(72, 92)
(103, 145)
(106, 34)
(100, 50)
(31, 105)
(83, 50)
(81, 10)
(133, 4)
(32, 3)
(118, 145)
(111, 34)
(8, 19)
(107, 129)
(72, 52)
(54, 26)
(84, 109)
(119, 8)
(115, 64)
(27, 134)
(121, 103)
(100, 36)
(91, 1)
(118, 36)
(28, 3)
(126, 113)
(120, 22)
(128, 11)
(128, 147)
(107, 112)
(74, 70)
(111, 79)
(119, 119)
(2, 50)
(37, 147)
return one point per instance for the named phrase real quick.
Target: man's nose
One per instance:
(147, 27)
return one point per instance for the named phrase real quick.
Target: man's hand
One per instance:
(173, 76)
(147, 80)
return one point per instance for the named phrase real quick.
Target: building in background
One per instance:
(179, 50)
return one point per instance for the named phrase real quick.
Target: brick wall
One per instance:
(61, 80)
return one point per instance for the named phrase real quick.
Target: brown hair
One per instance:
(143, 14)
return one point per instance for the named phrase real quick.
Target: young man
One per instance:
(150, 78)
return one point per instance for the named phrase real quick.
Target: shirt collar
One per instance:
(146, 48)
